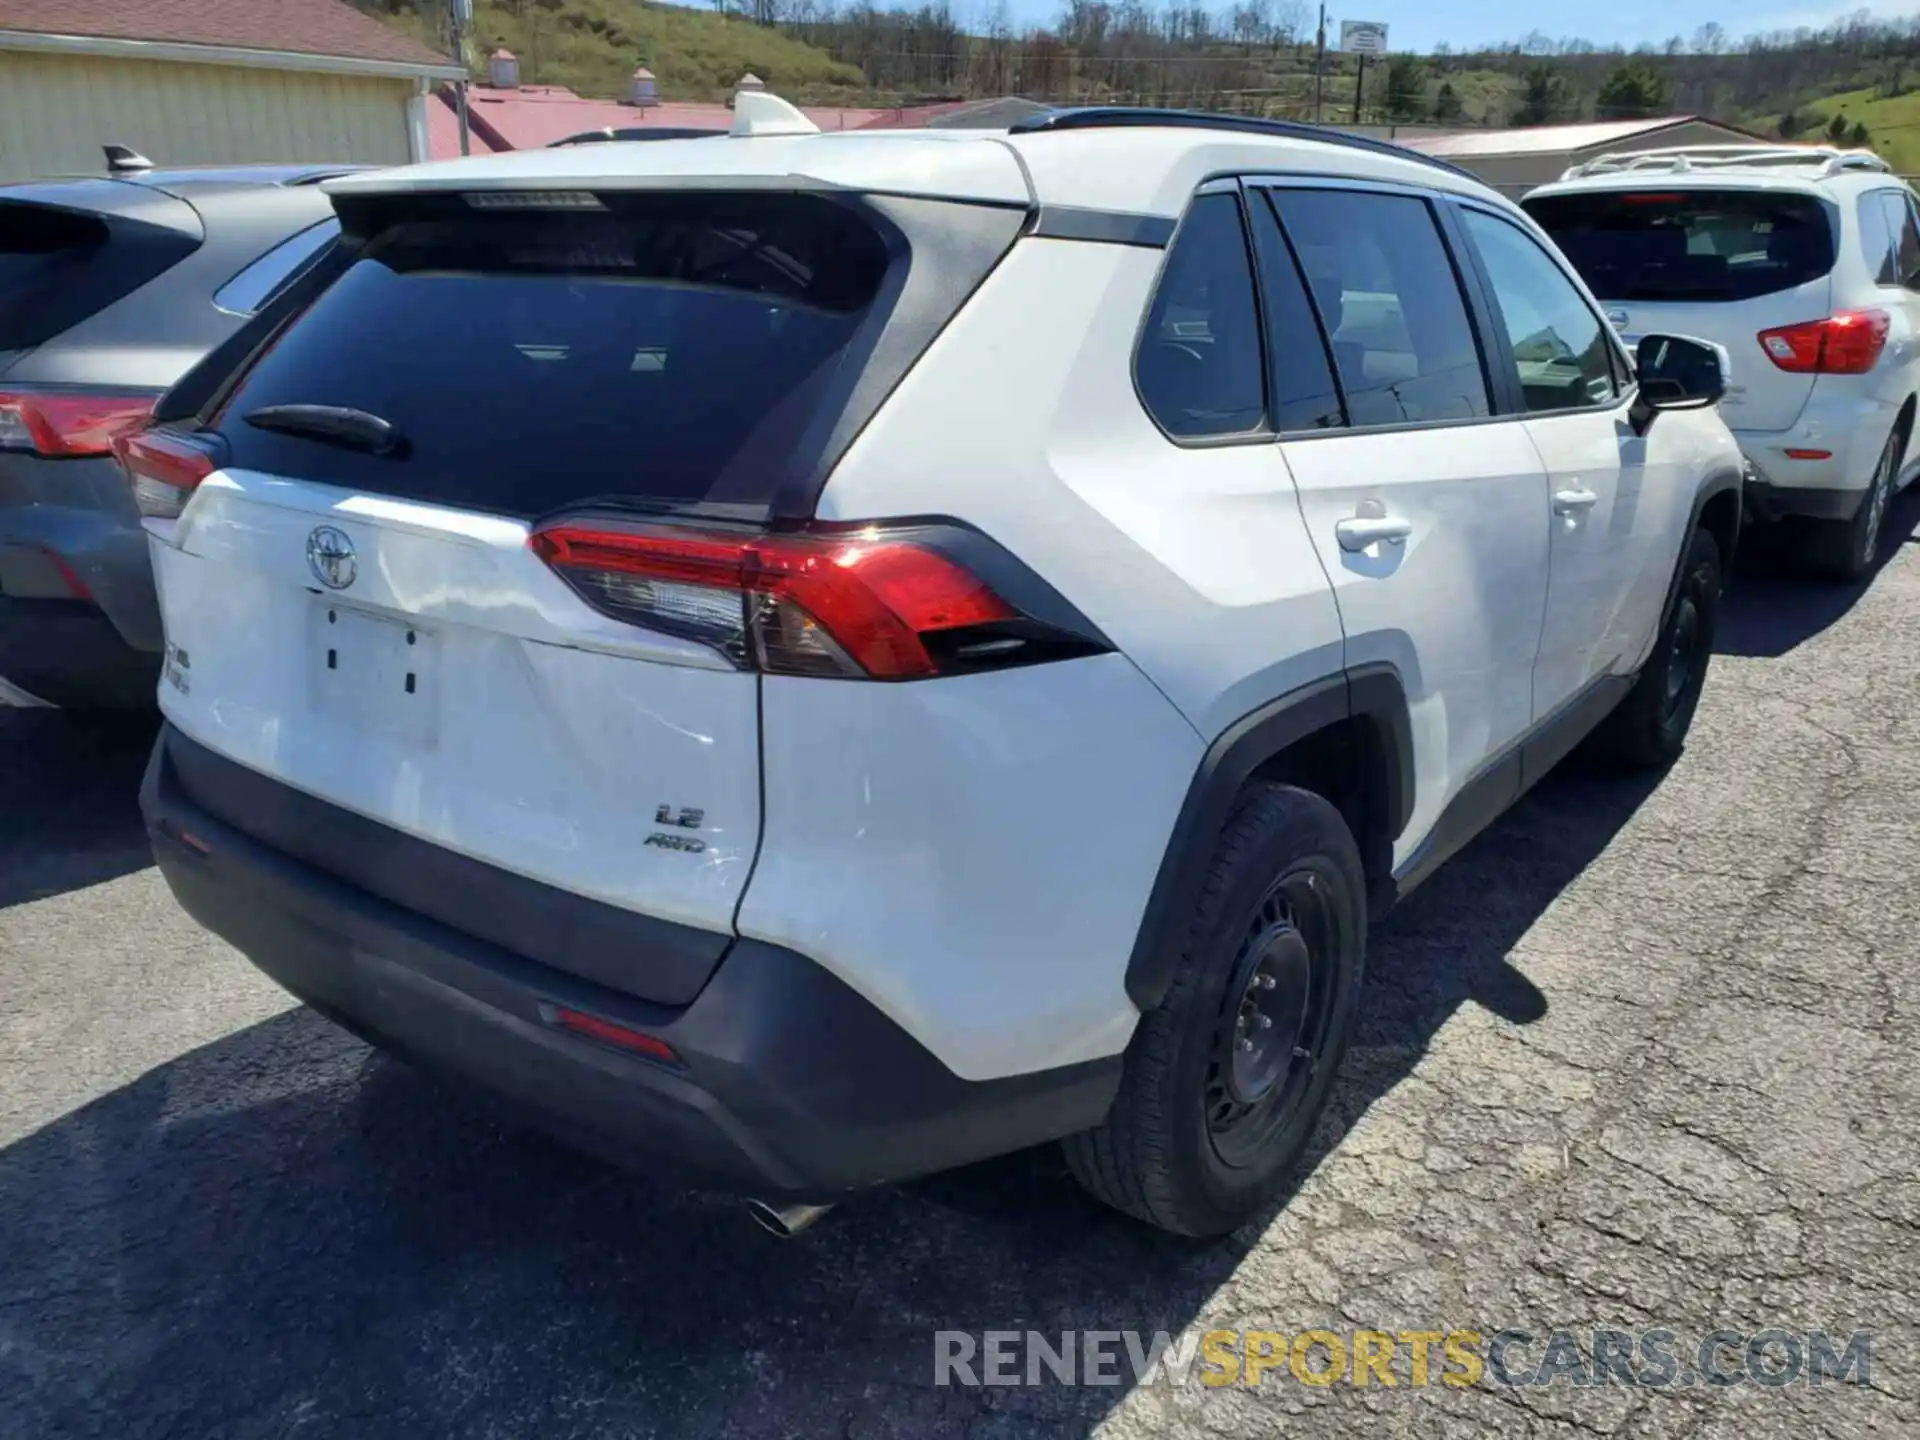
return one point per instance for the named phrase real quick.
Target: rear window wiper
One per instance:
(332, 425)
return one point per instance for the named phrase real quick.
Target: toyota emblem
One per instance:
(330, 556)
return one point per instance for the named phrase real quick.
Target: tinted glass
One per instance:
(1304, 397)
(1906, 238)
(1877, 239)
(1390, 301)
(252, 287)
(1559, 345)
(671, 347)
(59, 267)
(1199, 363)
(40, 249)
(1697, 245)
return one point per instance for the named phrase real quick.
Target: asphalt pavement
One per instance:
(1645, 1057)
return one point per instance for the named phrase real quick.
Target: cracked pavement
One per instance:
(1647, 1054)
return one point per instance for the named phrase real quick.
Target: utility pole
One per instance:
(1319, 62)
(462, 12)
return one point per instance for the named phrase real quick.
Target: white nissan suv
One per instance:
(813, 659)
(1804, 263)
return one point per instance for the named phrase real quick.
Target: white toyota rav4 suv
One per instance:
(1804, 263)
(816, 659)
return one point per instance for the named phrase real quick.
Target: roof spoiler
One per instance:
(125, 160)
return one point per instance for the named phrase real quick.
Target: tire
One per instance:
(1193, 1144)
(1649, 729)
(1845, 550)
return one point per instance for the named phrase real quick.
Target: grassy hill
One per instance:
(1893, 122)
(592, 46)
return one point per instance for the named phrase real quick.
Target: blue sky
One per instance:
(1468, 23)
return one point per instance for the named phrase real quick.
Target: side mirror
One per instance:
(1677, 373)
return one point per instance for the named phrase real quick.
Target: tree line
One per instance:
(1262, 57)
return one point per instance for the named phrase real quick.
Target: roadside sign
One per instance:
(1363, 37)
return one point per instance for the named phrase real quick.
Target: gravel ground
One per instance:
(1643, 1056)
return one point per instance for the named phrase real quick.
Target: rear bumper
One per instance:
(1767, 501)
(80, 511)
(1821, 467)
(790, 1084)
(67, 652)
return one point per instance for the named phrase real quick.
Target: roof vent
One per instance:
(643, 89)
(503, 70)
(758, 113)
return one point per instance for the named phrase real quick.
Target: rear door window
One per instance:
(1198, 368)
(670, 348)
(1304, 395)
(1390, 301)
(1689, 245)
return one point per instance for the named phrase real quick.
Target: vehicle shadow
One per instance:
(1774, 605)
(70, 800)
(284, 1229)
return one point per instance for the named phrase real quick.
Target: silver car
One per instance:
(110, 290)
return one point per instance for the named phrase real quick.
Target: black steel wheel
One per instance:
(1227, 1077)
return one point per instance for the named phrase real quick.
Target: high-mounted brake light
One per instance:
(64, 424)
(163, 467)
(853, 606)
(1848, 343)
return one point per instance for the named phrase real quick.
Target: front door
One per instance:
(1610, 544)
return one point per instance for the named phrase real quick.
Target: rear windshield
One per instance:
(60, 265)
(1689, 245)
(668, 348)
(41, 250)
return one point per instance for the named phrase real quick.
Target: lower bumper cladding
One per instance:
(777, 1080)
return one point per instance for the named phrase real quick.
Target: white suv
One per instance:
(1804, 263)
(820, 658)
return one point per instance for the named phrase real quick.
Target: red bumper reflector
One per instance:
(1809, 454)
(608, 1033)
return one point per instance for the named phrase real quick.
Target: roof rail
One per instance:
(1116, 117)
(1679, 159)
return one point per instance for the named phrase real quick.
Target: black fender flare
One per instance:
(1372, 694)
(1718, 482)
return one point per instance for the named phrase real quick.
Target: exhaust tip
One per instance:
(786, 1221)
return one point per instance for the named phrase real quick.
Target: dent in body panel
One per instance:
(1052, 785)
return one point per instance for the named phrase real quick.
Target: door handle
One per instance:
(1572, 502)
(1364, 530)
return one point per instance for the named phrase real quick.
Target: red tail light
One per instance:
(163, 466)
(1848, 343)
(63, 424)
(863, 606)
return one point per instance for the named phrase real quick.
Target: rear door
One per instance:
(1720, 262)
(352, 601)
(1428, 509)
